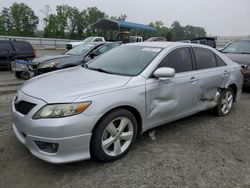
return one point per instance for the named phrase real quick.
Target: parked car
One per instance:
(71, 45)
(156, 39)
(125, 37)
(76, 56)
(209, 41)
(135, 39)
(97, 110)
(10, 50)
(239, 52)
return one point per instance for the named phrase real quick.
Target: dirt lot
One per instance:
(198, 151)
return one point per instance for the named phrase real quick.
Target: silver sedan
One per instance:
(97, 110)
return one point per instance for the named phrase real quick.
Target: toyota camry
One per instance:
(97, 109)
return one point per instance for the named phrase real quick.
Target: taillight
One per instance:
(243, 68)
(34, 53)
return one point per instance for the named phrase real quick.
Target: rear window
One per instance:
(220, 62)
(22, 46)
(204, 58)
(5, 46)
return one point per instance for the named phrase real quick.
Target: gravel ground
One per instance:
(199, 151)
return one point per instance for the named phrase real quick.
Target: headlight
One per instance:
(21, 66)
(61, 110)
(48, 64)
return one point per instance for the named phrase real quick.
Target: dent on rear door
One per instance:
(210, 81)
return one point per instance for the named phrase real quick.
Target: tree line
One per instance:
(70, 22)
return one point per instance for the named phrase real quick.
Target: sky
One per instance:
(218, 17)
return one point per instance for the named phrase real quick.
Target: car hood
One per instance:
(51, 57)
(239, 58)
(67, 85)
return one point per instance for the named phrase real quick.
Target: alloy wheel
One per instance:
(117, 136)
(227, 102)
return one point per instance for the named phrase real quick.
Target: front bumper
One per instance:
(71, 134)
(70, 149)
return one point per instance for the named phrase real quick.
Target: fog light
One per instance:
(47, 147)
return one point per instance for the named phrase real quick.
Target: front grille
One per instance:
(24, 107)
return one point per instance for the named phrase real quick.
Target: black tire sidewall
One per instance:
(25, 75)
(18, 74)
(96, 139)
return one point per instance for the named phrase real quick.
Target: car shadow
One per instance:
(144, 140)
(246, 89)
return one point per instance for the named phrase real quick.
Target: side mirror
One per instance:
(164, 72)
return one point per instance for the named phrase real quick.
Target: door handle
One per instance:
(193, 79)
(226, 73)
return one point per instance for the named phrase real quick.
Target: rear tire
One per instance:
(225, 102)
(113, 135)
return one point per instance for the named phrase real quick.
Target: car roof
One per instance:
(244, 40)
(5, 40)
(13, 40)
(167, 44)
(153, 44)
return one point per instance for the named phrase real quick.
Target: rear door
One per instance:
(172, 98)
(211, 73)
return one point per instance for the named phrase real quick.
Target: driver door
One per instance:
(173, 98)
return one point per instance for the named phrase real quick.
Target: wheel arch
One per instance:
(131, 109)
(234, 88)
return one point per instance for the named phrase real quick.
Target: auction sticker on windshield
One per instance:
(152, 49)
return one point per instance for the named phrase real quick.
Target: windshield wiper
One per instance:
(97, 69)
(235, 52)
(244, 53)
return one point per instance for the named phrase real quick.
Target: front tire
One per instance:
(113, 135)
(225, 102)
(25, 75)
(18, 75)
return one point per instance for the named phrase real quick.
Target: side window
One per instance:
(220, 62)
(4, 46)
(114, 45)
(180, 59)
(22, 46)
(98, 40)
(104, 49)
(204, 58)
(101, 50)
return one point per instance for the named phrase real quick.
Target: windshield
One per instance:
(80, 50)
(238, 47)
(125, 60)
